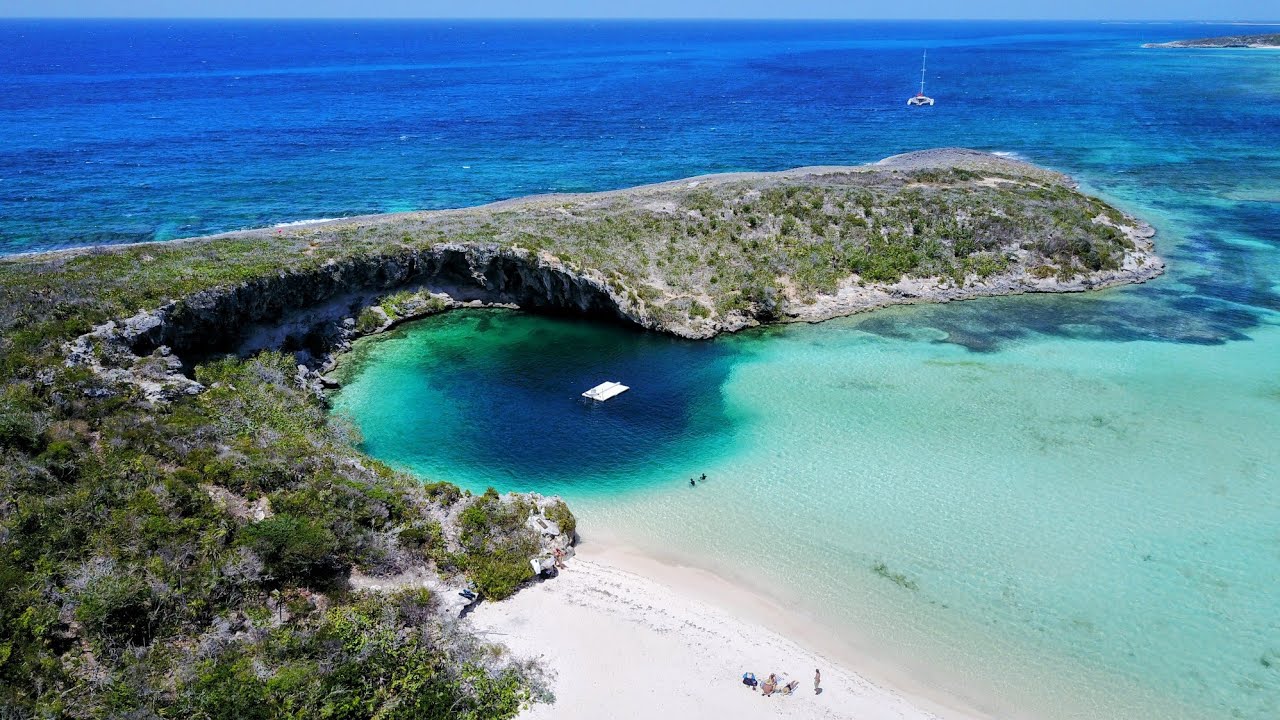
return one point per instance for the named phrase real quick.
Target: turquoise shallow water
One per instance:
(1076, 495)
(438, 397)
(1082, 528)
(1072, 499)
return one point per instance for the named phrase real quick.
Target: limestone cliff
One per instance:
(692, 258)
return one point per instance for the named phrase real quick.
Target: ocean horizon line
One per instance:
(1252, 22)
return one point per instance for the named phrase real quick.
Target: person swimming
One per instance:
(692, 483)
(703, 478)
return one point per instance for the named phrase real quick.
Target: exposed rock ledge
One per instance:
(852, 298)
(313, 312)
(1258, 41)
(693, 258)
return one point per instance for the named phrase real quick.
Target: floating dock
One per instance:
(605, 390)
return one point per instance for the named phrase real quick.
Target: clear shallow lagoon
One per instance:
(1080, 528)
(1076, 495)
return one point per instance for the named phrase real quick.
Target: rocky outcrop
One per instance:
(297, 304)
(851, 298)
(1265, 40)
(691, 259)
(311, 312)
(453, 593)
(109, 353)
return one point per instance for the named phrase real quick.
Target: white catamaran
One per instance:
(921, 98)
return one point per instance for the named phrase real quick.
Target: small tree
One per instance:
(295, 549)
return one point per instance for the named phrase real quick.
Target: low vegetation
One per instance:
(190, 558)
(136, 578)
(1262, 40)
(560, 514)
(752, 246)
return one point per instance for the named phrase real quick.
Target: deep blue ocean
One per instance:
(120, 131)
(1082, 488)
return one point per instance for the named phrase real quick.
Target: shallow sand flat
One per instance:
(625, 646)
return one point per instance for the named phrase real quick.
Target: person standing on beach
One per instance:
(817, 681)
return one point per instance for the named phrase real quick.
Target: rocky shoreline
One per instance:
(164, 406)
(140, 350)
(1260, 41)
(852, 299)
(317, 312)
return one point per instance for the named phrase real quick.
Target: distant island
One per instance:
(187, 533)
(1271, 40)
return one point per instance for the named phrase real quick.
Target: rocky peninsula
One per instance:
(185, 529)
(693, 258)
(1266, 40)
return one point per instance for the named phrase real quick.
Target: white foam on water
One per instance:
(309, 221)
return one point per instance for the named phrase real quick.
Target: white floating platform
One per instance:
(605, 390)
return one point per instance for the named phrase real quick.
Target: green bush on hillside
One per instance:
(295, 550)
(496, 544)
(559, 513)
(133, 581)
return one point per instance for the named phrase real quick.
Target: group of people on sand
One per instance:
(775, 684)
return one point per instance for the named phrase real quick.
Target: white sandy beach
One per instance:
(623, 645)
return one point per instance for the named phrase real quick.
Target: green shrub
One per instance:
(369, 320)
(496, 544)
(227, 688)
(559, 513)
(295, 549)
(430, 305)
(425, 536)
(60, 458)
(474, 519)
(500, 573)
(118, 608)
(985, 266)
(442, 492)
(489, 515)
(19, 426)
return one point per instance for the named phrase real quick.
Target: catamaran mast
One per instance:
(923, 60)
(920, 99)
